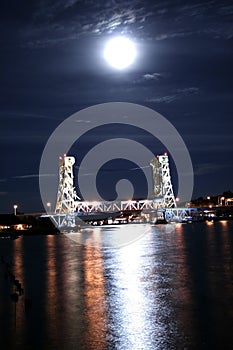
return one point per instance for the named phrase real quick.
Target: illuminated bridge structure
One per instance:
(70, 208)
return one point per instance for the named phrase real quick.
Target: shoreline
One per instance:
(11, 233)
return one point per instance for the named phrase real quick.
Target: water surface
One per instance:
(171, 289)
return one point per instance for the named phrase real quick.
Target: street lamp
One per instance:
(49, 206)
(15, 209)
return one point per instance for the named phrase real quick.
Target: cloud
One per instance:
(149, 77)
(188, 90)
(3, 193)
(211, 19)
(24, 115)
(58, 21)
(208, 168)
(166, 99)
(165, 36)
(152, 76)
(31, 176)
(178, 94)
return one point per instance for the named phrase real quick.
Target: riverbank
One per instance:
(14, 226)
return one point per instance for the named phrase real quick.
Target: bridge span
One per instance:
(162, 206)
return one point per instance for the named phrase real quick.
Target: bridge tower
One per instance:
(162, 186)
(66, 196)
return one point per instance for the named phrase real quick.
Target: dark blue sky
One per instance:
(51, 65)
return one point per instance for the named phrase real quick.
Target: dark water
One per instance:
(168, 290)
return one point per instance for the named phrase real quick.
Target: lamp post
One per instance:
(49, 207)
(15, 209)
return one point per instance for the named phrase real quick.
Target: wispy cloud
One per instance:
(165, 99)
(149, 78)
(56, 21)
(32, 176)
(188, 90)
(152, 76)
(171, 35)
(3, 193)
(24, 115)
(178, 94)
(208, 168)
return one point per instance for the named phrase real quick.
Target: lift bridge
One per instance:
(69, 207)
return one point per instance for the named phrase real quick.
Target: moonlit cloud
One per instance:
(152, 76)
(59, 21)
(179, 93)
(165, 99)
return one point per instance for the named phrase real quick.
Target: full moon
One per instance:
(120, 52)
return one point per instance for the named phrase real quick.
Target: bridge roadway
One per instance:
(90, 211)
(150, 210)
(96, 211)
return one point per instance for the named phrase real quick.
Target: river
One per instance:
(170, 289)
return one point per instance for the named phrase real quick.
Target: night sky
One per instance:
(52, 65)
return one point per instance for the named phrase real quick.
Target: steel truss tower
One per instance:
(66, 196)
(162, 186)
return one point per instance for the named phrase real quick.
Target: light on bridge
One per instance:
(15, 209)
(49, 206)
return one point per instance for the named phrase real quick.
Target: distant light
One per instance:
(165, 153)
(15, 208)
(209, 222)
(223, 222)
(208, 197)
(120, 52)
(177, 199)
(49, 207)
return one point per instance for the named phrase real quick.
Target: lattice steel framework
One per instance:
(163, 195)
(162, 185)
(69, 205)
(66, 196)
(89, 207)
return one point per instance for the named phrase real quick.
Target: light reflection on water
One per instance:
(94, 298)
(114, 236)
(172, 289)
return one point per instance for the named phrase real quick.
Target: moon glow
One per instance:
(120, 52)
